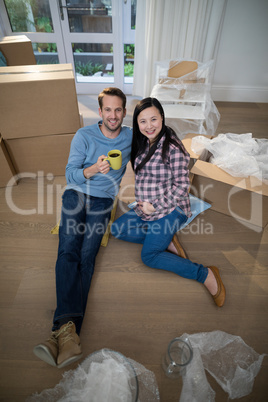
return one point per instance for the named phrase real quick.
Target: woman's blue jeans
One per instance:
(156, 237)
(84, 220)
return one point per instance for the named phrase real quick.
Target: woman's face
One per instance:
(150, 123)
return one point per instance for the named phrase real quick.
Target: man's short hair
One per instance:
(112, 92)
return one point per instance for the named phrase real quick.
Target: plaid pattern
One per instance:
(164, 185)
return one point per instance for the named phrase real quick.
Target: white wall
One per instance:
(241, 63)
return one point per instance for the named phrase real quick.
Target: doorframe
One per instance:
(84, 37)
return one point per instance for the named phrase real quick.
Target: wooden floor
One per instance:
(131, 308)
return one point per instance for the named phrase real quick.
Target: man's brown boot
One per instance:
(48, 350)
(69, 345)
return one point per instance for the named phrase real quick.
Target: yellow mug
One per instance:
(114, 158)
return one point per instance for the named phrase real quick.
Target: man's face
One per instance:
(112, 112)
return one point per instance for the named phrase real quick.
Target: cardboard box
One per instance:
(18, 50)
(245, 199)
(7, 170)
(187, 142)
(38, 100)
(179, 69)
(47, 154)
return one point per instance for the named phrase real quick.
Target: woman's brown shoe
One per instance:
(219, 297)
(180, 251)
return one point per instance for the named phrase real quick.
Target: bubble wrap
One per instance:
(232, 363)
(105, 376)
(240, 155)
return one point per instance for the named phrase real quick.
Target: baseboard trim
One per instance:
(239, 94)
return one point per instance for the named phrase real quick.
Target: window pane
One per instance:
(45, 53)
(95, 16)
(93, 62)
(129, 53)
(29, 15)
(133, 13)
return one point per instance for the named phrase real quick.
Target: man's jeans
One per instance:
(84, 221)
(156, 237)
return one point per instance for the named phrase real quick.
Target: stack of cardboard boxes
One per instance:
(39, 117)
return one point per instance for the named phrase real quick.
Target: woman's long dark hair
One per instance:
(139, 140)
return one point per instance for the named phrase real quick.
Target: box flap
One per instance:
(213, 172)
(17, 79)
(39, 68)
(28, 73)
(14, 38)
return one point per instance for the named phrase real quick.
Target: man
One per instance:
(86, 208)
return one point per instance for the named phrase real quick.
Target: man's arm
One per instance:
(76, 172)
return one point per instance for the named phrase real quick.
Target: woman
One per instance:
(160, 163)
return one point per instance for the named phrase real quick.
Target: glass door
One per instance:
(90, 32)
(96, 36)
(40, 22)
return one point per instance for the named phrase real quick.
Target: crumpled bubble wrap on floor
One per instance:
(240, 155)
(232, 363)
(106, 376)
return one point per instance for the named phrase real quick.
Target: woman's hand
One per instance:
(146, 207)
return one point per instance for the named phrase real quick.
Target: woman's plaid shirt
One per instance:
(164, 185)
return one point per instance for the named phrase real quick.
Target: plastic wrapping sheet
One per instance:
(175, 89)
(105, 376)
(183, 74)
(189, 94)
(232, 363)
(240, 155)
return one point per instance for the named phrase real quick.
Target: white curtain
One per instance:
(174, 29)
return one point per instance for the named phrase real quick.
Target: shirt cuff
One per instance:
(80, 178)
